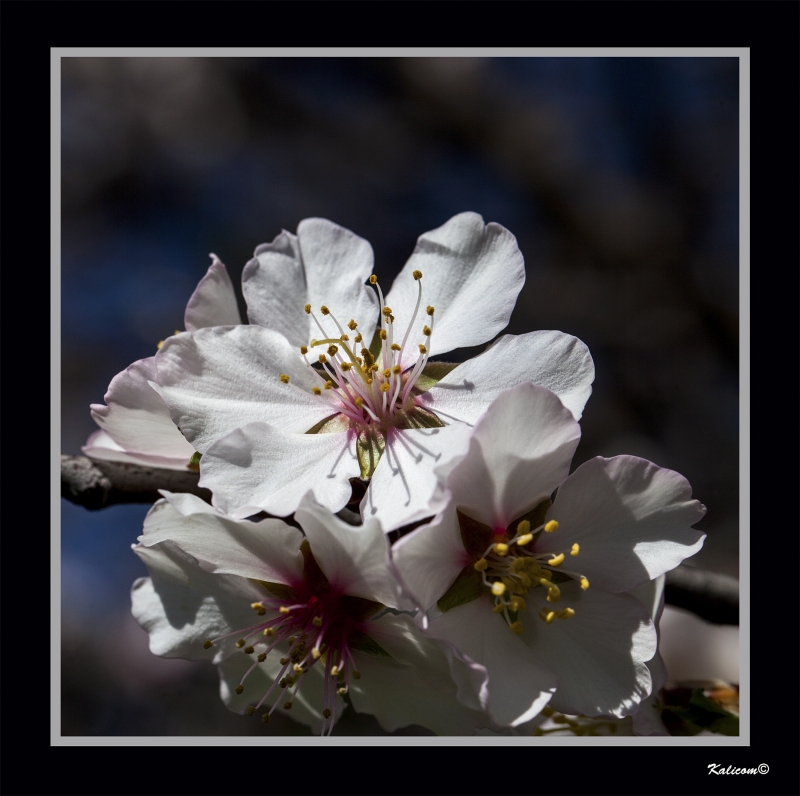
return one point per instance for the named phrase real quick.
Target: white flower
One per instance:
(534, 591)
(135, 425)
(296, 620)
(300, 400)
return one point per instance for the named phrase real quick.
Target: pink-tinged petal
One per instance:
(181, 606)
(471, 274)
(404, 487)
(555, 360)
(324, 264)
(430, 558)
(631, 519)
(355, 559)
(266, 550)
(519, 453)
(308, 702)
(218, 379)
(600, 654)
(213, 302)
(520, 683)
(414, 685)
(100, 446)
(136, 417)
(262, 468)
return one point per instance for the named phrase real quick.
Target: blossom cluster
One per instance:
(485, 587)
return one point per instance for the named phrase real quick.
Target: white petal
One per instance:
(404, 487)
(262, 468)
(647, 719)
(519, 453)
(325, 264)
(101, 446)
(631, 518)
(471, 274)
(430, 558)
(520, 684)
(355, 559)
(181, 606)
(307, 704)
(555, 360)
(414, 685)
(136, 417)
(266, 550)
(218, 379)
(599, 654)
(213, 302)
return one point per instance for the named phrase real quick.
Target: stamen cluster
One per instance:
(509, 570)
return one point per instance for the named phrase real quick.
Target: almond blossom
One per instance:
(135, 425)
(537, 589)
(296, 620)
(333, 381)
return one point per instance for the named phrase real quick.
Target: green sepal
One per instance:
(700, 714)
(468, 586)
(330, 425)
(365, 643)
(421, 418)
(360, 608)
(314, 577)
(475, 536)
(194, 462)
(432, 374)
(279, 590)
(369, 449)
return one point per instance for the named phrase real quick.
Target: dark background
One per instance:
(618, 176)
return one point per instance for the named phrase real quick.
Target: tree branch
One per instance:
(98, 484)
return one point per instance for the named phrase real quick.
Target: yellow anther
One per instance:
(525, 539)
(501, 548)
(373, 279)
(328, 385)
(396, 370)
(240, 643)
(284, 377)
(526, 581)
(317, 621)
(395, 347)
(239, 689)
(249, 650)
(481, 564)
(551, 526)
(498, 609)
(524, 527)
(359, 402)
(576, 548)
(516, 627)
(387, 373)
(327, 713)
(332, 350)
(385, 387)
(417, 275)
(374, 367)
(346, 366)
(358, 338)
(369, 381)
(265, 717)
(334, 671)
(324, 310)
(251, 709)
(426, 330)
(498, 589)
(341, 691)
(391, 318)
(387, 311)
(316, 654)
(284, 661)
(518, 604)
(344, 338)
(298, 668)
(283, 609)
(323, 359)
(422, 349)
(510, 585)
(356, 674)
(547, 616)
(553, 594)
(287, 705)
(303, 349)
(517, 564)
(556, 561)
(209, 644)
(283, 682)
(159, 344)
(262, 656)
(269, 631)
(256, 606)
(566, 613)
(382, 334)
(352, 325)
(307, 308)
(430, 310)
(584, 584)
(316, 391)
